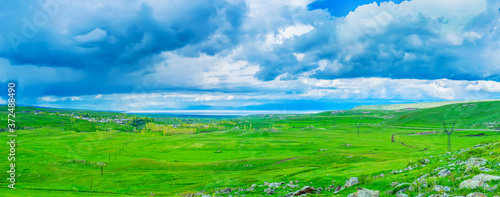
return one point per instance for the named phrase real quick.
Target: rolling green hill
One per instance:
(61, 155)
(416, 105)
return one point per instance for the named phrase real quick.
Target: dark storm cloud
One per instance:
(106, 38)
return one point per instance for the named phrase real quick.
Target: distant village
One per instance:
(118, 119)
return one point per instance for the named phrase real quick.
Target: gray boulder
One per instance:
(269, 191)
(275, 184)
(444, 172)
(470, 184)
(224, 191)
(364, 193)
(485, 177)
(446, 188)
(476, 162)
(304, 190)
(438, 188)
(476, 194)
(351, 182)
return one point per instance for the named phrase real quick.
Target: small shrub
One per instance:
(477, 152)
(411, 163)
(365, 178)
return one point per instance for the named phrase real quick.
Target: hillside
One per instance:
(61, 153)
(473, 115)
(415, 105)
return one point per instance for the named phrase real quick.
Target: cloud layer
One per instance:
(255, 52)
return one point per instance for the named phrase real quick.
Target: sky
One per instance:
(150, 55)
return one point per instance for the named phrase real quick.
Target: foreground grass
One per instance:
(140, 164)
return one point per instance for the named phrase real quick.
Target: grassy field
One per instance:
(61, 156)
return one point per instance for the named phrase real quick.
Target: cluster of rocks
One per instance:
(425, 184)
(479, 181)
(362, 192)
(409, 168)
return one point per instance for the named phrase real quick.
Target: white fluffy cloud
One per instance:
(487, 86)
(242, 53)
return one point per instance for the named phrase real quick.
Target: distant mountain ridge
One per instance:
(416, 105)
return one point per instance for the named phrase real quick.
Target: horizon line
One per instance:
(225, 112)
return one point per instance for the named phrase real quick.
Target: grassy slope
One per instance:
(468, 115)
(144, 163)
(415, 105)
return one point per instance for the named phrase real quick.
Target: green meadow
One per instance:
(58, 154)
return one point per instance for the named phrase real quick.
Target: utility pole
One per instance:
(359, 125)
(449, 134)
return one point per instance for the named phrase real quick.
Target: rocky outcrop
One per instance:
(475, 162)
(470, 184)
(275, 184)
(485, 177)
(444, 172)
(304, 190)
(364, 193)
(349, 183)
(476, 194)
(478, 181)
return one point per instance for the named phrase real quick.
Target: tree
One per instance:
(449, 134)
(359, 125)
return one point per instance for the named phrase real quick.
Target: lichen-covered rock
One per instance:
(485, 177)
(470, 184)
(275, 184)
(351, 182)
(304, 190)
(477, 162)
(446, 188)
(476, 194)
(269, 191)
(364, 193)
(224, 191)
(438, 188)
(444, 172)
